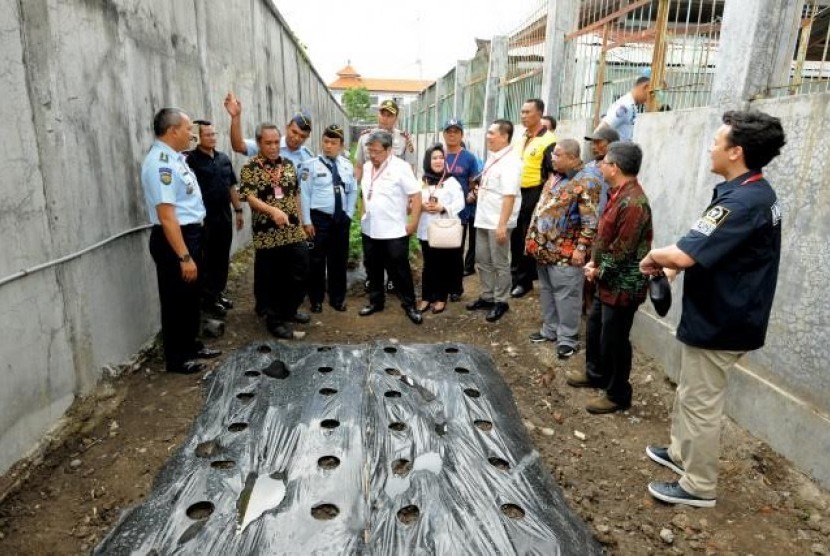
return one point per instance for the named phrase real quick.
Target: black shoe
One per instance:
(187, 368)
(339, 307)
(661, 456)
(414, 315)
(497, 312)
(565, 352)
(480, 304)
(316, 307)
(469, 271)
(224, 301)
(455, 297)
(369, 309)
(207, 353)
(390, 286)
(673, 493)
(519, 291)
(537, 338)
(215, 309)
(301, 318)
(281, 330)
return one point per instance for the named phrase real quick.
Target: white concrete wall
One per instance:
(81, 82)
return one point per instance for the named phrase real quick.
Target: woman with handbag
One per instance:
(439, 231)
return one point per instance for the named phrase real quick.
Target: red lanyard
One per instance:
(489, 166)
(375, 175)
(751, 179)
(274, 175)
(451, 169)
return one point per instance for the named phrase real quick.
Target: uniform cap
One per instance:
(454, 122)
(390, 106)
(302, 120)
(334, 131)
(604, 134)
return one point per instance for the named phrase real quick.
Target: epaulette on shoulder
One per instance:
(163, 157)
(365, 131)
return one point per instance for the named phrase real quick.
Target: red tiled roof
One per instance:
(348, 78)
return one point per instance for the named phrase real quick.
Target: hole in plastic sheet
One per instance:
(200, 510)
(252, 373)
(390, 349)
(392, 372)
(440, 429)
(277, 369)
(462, 371)
(392, 394)
(328, 391)
(499, 463)
(409, 514)
(324, 370)
(264, 349)
(397, 426)
(401, 467)
(324, 348)
(237, 427)
(486, 426)
(512, 511)
(330, 423)
(451, 350)
(324, 511)
(207, 449)
(245, 397)
(328, 462)
(223, 464)
(472, 392)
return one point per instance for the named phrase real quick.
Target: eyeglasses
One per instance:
(375, 151)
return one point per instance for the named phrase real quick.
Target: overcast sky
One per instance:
(388, 39)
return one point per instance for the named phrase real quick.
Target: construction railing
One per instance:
(810, 67)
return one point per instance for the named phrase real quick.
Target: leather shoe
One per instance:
(370, 309)
(519, 291)
(601, 404)
(497, 312)
(414, 315)
(339, 307)
(215, 309)
(281, 330)
(301, 318)
(225, 302)
(207, 353)
(187, 368)
(316, 307)
(455, 297)
(480, 304)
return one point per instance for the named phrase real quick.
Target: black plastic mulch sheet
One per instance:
(367, 449)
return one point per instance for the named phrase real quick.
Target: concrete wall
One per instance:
(82, 81)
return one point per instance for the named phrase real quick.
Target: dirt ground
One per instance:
(118, 438)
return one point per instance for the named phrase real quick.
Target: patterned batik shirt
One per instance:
(273, 182)
(623, 239)
(566, 216)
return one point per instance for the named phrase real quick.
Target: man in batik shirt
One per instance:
(559, 238)
(622, 240)
(269, 185)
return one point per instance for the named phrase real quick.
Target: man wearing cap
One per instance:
(329, 197)
(538, 145)
(402, 145)
(622, 113)
(600, 139)
(175, 208)
(463, 166)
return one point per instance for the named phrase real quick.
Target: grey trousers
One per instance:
(560, 297)
(493, 262)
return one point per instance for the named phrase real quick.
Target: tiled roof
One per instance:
(348, 78)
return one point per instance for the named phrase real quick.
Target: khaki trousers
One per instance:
(697, 415)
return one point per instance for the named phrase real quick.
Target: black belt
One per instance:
(185, 227)
(322, 213)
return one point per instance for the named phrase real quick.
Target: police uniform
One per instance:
(402, 146)
(296, 157)
(167, 179)
(329, 197)
(621, 116)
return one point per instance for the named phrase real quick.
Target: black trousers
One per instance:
(608, 349)
(391, 255)
(468, 242)
(218, 235)
(328, 258)
(522, 267)
(179, 299)
(280, 275)
(442, 272)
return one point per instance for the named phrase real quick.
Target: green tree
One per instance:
(356, 102)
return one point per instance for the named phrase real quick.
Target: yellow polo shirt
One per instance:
(532, 152)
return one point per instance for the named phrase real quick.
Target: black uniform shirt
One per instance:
(736, 245)
(215, 176)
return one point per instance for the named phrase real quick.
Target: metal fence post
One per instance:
(462, 76)
(496, 71)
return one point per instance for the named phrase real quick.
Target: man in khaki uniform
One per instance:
(402, 145)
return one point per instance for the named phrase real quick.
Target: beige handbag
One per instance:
(444, 233)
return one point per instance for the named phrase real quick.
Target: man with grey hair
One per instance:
(559, 238)
(623, 238)
(175, 208)
(388, 187)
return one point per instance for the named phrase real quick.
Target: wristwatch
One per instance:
(185, 258)
(581, 247)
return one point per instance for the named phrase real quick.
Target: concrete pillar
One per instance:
(496, 71)
(563, 16)
(436, 109)
(754, 54)
(462, 75)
